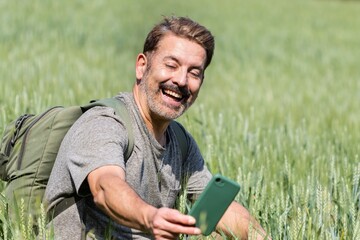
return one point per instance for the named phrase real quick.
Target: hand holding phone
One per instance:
(213, 202)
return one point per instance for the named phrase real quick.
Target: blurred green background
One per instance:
(278, 111)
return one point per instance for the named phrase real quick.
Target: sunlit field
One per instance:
(278, 111)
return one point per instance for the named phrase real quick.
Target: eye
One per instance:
(170, 65)
(195, 74)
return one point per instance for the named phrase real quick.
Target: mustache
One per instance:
(173, 87)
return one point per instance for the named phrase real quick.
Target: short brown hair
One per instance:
(181, 27)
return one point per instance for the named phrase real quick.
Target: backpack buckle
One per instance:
(19, 122)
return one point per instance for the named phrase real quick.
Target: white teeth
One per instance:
(173, 94)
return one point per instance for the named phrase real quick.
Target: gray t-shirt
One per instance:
(99, 138)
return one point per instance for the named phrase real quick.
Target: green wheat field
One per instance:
(279, 111)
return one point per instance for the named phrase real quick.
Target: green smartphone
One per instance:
(213, 202)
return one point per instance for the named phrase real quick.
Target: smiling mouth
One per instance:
(174, 92)
(175, 95)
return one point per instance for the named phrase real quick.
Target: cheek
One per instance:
(194, 86)
(156, 75)
(162, 74)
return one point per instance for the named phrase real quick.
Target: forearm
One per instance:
(237, 221)
(120, 202)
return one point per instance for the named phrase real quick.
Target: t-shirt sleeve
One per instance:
(99, 139)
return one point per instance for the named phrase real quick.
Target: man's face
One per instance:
(172, 77)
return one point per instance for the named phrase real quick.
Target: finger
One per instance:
(175, 216)
(173, 231)
(181, 229)
(176, 228)
(172, 221)
(161, 234)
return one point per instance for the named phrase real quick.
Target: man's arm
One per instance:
(119, 201)
(236, 222)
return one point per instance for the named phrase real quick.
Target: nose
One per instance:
(181, 78)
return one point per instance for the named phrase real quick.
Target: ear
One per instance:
(141, 65)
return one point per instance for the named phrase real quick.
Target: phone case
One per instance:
(213, 202)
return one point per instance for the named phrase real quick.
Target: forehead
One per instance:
(181, 48)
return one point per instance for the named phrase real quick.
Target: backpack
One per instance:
(30, 145)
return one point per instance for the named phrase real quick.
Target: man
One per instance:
(134, 198)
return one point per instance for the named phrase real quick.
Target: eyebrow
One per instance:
(171, 58)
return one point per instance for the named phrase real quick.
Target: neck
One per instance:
(156, 126)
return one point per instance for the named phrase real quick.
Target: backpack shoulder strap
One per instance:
(120, 110)
(181, 137)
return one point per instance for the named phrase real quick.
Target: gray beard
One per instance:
(156, 108)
